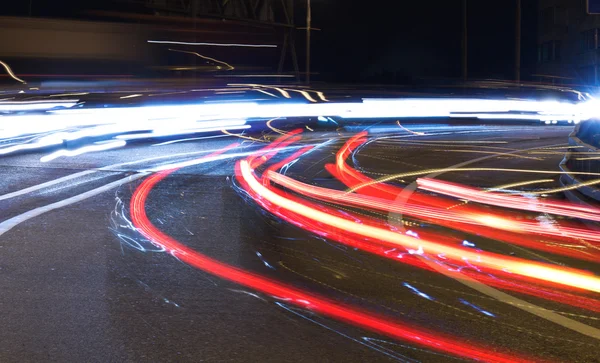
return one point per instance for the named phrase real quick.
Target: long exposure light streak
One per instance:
(214, 44)
(383, 250)
(513, 227)
(539, 271)
(258, 87)
(86, 149)
(127, 119)
(166, 132)
(475, 222)
(447, 170)
(40, 105)
(493, 237)
(242, 136)
(293, 295)
(10, 73)
(229, 66)
(440, 216)
(509, 201)
(518, 184)
(513, 155)
(269, 125)
(410, 131)
(581, 184)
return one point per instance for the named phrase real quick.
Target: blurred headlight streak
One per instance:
(86, 149)
(180, 119)
(41, 143)
(34, 105)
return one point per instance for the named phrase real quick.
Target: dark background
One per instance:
(389, 41)
(379, 39)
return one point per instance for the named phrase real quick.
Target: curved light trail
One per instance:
(294, 296)
(348, 217)
(539, 271)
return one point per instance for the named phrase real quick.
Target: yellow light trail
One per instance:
(265, 92)
(570, 187)
(455, 142)
(491, 152)
(590, 158)
(426, 143)
(205, 57)
(562, 152)
(568, 277)
(273, 128)
(519, 184)
(242, 136)
(410, 131)
(448, 170)
(321, 96)
(560, 147)
(283, 92)
(303, 93)
(10, 73)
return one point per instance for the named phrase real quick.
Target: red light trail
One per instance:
(281, 291)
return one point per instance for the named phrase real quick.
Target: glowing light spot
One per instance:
(468, 244)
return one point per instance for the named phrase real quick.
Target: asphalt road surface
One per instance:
(101, 263)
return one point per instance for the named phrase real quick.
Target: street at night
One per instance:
(303, 241)
(299, 181)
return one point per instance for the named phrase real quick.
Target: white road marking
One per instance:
(45, 185)
(91, 171)
(14, 221)
(8, 224)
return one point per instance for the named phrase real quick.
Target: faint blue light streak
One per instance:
(484, 312)
(418, 292)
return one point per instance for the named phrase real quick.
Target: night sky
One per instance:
(386, 41)
(420, 38)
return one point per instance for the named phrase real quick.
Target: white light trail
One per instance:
(214, 44)
(35, 105)
(163, 120)
(131, 96)
(86, 149)
(181, 132)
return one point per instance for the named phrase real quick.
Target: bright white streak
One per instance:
(74, 124)
(83, 150)
(35, 105)
(131, 96)
(214, 44)
(182, 132)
